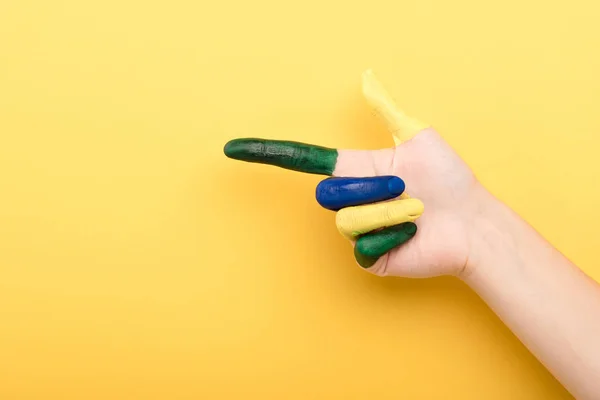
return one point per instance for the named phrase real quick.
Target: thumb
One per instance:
(401, 126)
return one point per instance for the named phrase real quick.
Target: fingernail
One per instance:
(364, 261)
(396, 186)
(410, 228)
(233, 148)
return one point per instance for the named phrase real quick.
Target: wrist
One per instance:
(492, 234)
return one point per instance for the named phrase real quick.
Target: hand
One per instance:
(439, 182)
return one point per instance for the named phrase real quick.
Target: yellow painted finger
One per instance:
(355, 221)
(401, 126)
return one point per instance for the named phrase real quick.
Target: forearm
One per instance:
(550, 304)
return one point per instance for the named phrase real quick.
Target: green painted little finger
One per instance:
(371, 246)
(296, 156)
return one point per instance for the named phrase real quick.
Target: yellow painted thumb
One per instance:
(401, 126)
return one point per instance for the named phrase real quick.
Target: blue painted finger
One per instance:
(337, 193)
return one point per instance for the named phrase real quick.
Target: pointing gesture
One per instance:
(366, 188)
(464, 231)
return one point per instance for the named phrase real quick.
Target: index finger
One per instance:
(296, 156)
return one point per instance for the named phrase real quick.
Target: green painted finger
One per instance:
(371, 246)
(285, 154)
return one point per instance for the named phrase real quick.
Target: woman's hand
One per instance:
(379, 222)
(550, 304)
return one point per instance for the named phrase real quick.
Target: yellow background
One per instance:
(137, 262)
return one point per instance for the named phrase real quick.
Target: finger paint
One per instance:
(401, 126)
(337, 193)
(296, 156)
(358, 220)
(370, 247)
